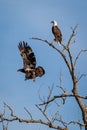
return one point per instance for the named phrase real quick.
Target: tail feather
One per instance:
(21, 70)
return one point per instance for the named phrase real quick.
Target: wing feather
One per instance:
(28, 56)
(29, 61)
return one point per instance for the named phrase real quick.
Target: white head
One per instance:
(54, 23)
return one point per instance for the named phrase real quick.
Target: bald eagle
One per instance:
(57, 33)
(29, 61)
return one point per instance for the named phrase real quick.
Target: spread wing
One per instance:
(57, 33)
(28, 56)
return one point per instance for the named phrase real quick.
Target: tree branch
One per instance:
(21, 120)
(58, 50)
(61, 96)
(77, 57)
(72, 35)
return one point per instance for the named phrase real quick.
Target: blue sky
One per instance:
(23, 19)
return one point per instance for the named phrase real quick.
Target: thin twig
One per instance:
(43, 113)
(72, 35)
(28, 112)
(49, 97)
(82, 75)
(77, 57)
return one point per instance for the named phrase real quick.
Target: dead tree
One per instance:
(67, 56)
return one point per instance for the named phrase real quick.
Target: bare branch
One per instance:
(16, 118)
(28, 113)
(49, 43)
(64, 91)
(72, 35)
(71, 122)
(4, 125)
(77, 57)
(61, 96)
(49, 97)
(46, 41)
(43, 113)
(55, 116)
(82, 75)
(58, 50)
(40, 98)
(12, 113)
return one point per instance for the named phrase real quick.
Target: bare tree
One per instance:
(55, 121)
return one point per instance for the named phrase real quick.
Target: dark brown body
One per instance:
(57, 33)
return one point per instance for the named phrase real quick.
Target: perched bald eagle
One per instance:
(57, 33)
(29, 62)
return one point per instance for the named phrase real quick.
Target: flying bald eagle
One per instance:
(29, 62)
(57, 33)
